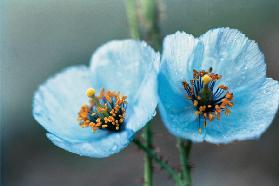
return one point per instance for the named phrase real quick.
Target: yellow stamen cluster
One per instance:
(208, 104)
(224, 104)
(106, 111)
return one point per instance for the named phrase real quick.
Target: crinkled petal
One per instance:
(250, 116)
(130, 67)
(175, 109)
(231, 54)
(123, 66)
(100, 148)
(181, 53)
(57, 102)
(143, 108)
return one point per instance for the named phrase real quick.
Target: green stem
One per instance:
(150, 22)
(148, 16)
(147, 136)
(164, 165)
(145, 18)
(184, 152)
(131, 8)
(132, 18)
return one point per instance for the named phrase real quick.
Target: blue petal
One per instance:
(231, 54)
(242, 65)
(181, 54)
(57, 102)
(130, 67)
(176, 111)
(250, 117)
(124, 66)
(101, 148)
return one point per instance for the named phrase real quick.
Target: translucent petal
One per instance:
(143, 108)
(57, 102)
(181, 53)
(175, 109)
(125, 66)
(100, 148)
(228, 51)
(252, 115)
(130, 67)
(231, 54)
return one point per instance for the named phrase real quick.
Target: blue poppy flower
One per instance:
(124, 73)
(214, 88)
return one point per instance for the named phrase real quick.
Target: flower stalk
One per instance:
(146, 10)
(132, 18)
(184, 148)
(148, 20)
(148, 168)
(143, 18)
(149, 16)
(163, 164)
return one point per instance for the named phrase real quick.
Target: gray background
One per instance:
(41, 37)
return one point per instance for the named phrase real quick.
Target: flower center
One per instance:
(106, 111)
(208, 102)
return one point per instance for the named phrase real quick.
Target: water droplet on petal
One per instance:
(114, 148)
(154, 114)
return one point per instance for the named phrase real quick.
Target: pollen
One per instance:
(106, 111)
(208, 101)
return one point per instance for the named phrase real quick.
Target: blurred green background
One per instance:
(40, 37)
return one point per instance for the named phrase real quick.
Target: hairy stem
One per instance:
(143, 16)
(184, 148)
(163, 164)
(148, 168)
(150, 22)
(132, 18)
